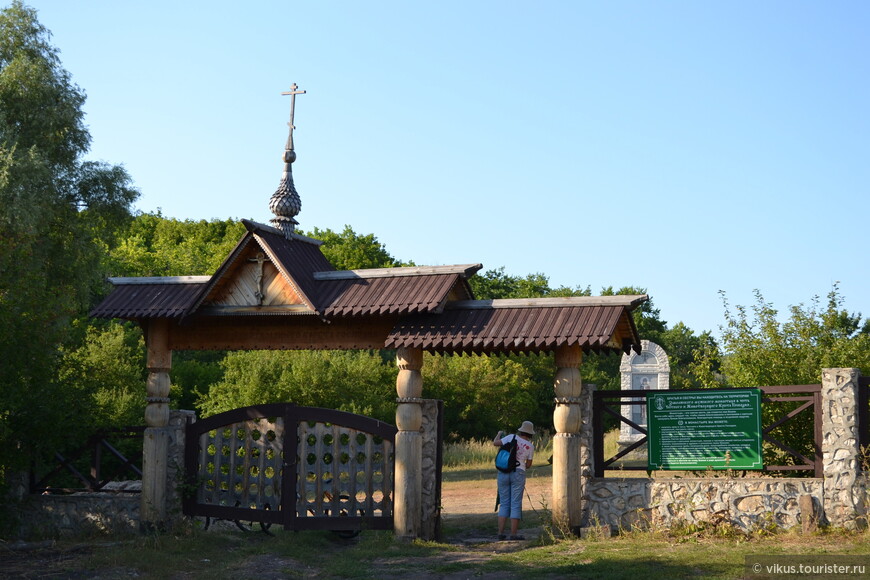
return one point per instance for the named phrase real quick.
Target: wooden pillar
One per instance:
(155, 453)
(407, 507)
(566, 443)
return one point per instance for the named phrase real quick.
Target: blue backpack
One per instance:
(506, 458)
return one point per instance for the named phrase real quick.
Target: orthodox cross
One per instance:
(292, 92)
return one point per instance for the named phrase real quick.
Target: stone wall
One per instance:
(116, 511)
(78, 514)
(841, 498)
(178, 421)
(745, 503)
(430, 528)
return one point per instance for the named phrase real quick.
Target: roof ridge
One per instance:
(629, 300)
(258, 227)
(122, 280)
(465, 269)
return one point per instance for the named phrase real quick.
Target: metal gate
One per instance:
(305, 468)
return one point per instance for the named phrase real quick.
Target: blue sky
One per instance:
(684, 147)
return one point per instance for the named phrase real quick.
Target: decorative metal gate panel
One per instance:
(302, 467)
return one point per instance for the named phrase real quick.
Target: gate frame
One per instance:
(285, 515)
(810, 395)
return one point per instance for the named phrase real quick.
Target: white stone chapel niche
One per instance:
(649, 370)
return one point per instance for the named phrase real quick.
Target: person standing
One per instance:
(511, 485)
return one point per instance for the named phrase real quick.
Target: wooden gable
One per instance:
(252, 283)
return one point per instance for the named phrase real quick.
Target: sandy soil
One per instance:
(477, 497)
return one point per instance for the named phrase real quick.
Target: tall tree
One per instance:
(57, 212)
(349, 250)
(759, 348)
(353, 381)
(154, 245)
(495, 284)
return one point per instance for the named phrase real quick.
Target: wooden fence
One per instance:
(90, 466)
(784, 408)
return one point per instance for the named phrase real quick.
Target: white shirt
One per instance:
(525, 450)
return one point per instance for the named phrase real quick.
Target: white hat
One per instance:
(527, 428)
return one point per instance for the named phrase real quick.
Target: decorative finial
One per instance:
(285, 202)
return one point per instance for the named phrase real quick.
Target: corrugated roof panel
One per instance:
(523, 329)
(575, 320)
(132, 301)
(385, 295)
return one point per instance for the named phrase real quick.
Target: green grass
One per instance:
(224, 552)
(232, 554)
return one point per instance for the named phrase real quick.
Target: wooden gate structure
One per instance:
(305, 468)
(276, 290)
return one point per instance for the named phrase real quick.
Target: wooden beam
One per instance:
(217, 310)
(465, 269)
(253, 226)
(161, 280)
(299, 332)
(628, 301)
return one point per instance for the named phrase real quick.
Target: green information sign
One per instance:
(700, 430)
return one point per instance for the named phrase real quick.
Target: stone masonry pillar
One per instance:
(407, 506)
(430, 469)
(566, 443)
(155, 453)
(587, 457)
(843, 503)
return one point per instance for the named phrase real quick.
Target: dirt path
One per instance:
(477, 497)
(468, 506)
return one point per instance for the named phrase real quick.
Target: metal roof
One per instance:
(169, 297)
(522, 325)
(430, 304)
(370, 292)
(378, 296)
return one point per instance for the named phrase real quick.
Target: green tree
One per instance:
(354, 381)
(58, 213)
(154, 245)
(481, 394)
(682, 345)
(679, 342)
(496, 284)
(602, 370)
(759, 348)
(349, 250)
(107, 371)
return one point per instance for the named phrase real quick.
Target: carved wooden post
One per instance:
(155, 451)
(566, 443)
(409, 444)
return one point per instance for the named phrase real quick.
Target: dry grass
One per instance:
(480, 454)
